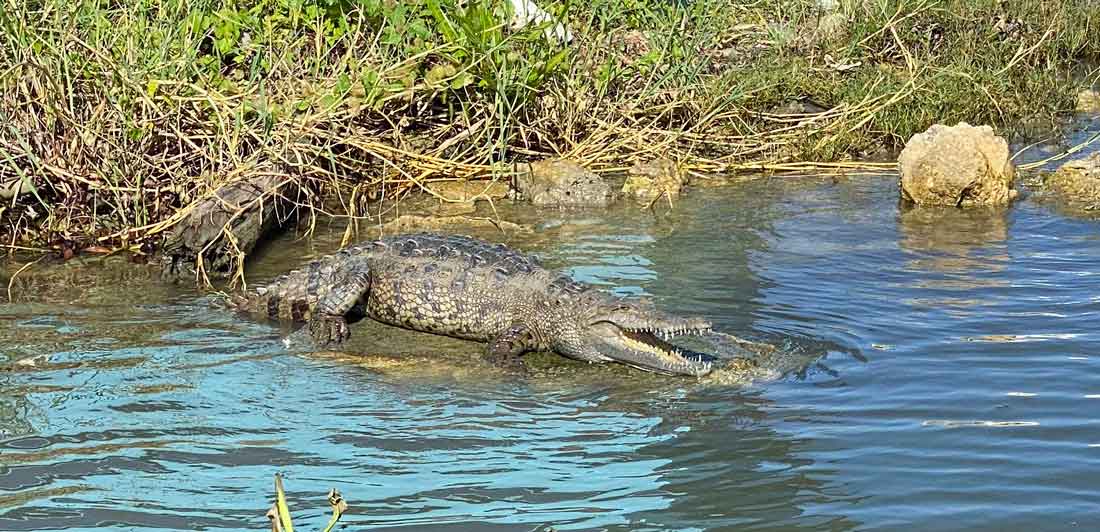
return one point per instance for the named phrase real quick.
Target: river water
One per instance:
(932, 376)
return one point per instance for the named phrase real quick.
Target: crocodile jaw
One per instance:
(648, 348)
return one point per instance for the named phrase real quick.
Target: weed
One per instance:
(118, 116)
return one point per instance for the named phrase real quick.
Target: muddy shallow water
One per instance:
(933, 379)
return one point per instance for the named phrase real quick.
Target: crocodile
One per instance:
(462, 287)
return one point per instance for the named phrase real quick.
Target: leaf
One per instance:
(419, 29)
(445, 26)
(151, 87)
(461, 80)
(556, 60)
(439, 73)
(280, 504)
(224, 45)
(312, 13)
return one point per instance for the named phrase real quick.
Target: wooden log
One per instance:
(221, 229)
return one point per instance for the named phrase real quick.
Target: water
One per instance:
(946, 379)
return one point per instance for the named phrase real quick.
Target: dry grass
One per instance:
(119, 117)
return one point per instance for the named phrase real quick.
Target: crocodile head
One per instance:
(633, 333)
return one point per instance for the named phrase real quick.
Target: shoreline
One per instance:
(126, 120)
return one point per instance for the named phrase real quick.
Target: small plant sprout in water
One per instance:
(279, 513)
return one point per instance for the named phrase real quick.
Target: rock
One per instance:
(801, 106)
(1088, 101)
(957, 166)
(1078, 182)
(445, 208)
(649, 181)
(453, 197)
(562, 183)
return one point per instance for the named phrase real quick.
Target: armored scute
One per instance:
(467, 288)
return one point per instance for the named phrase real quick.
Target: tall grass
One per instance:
(118, 115)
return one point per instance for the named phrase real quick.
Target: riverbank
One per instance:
(120, 117)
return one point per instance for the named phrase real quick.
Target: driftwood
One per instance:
(220, 230)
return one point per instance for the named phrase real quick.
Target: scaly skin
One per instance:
(466, 288)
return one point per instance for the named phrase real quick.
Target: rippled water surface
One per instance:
(945, 377)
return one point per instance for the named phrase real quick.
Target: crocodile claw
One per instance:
(329, 330)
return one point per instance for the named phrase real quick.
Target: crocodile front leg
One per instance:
(328, 324)
(505, 350)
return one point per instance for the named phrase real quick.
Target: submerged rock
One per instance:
(648, 181)
(562, 183)
(470, 191)
(407, 223)
(957, 166)
(1078, 182)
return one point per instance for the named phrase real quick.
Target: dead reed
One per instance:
(119, 116)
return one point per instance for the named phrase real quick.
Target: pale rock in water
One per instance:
(562, 183)
(957, 166)
(1078, 182)
(648, 181)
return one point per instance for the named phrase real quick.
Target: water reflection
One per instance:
(730, 470)
(953, 240)
(965, 248)
(15, 412)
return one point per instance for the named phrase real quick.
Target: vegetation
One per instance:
(118, 115)
(279, 514)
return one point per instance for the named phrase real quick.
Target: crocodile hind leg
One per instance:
(328, 324)
(505, 350)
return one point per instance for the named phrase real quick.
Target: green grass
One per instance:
(122, 113)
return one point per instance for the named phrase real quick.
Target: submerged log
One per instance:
(216, 234)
